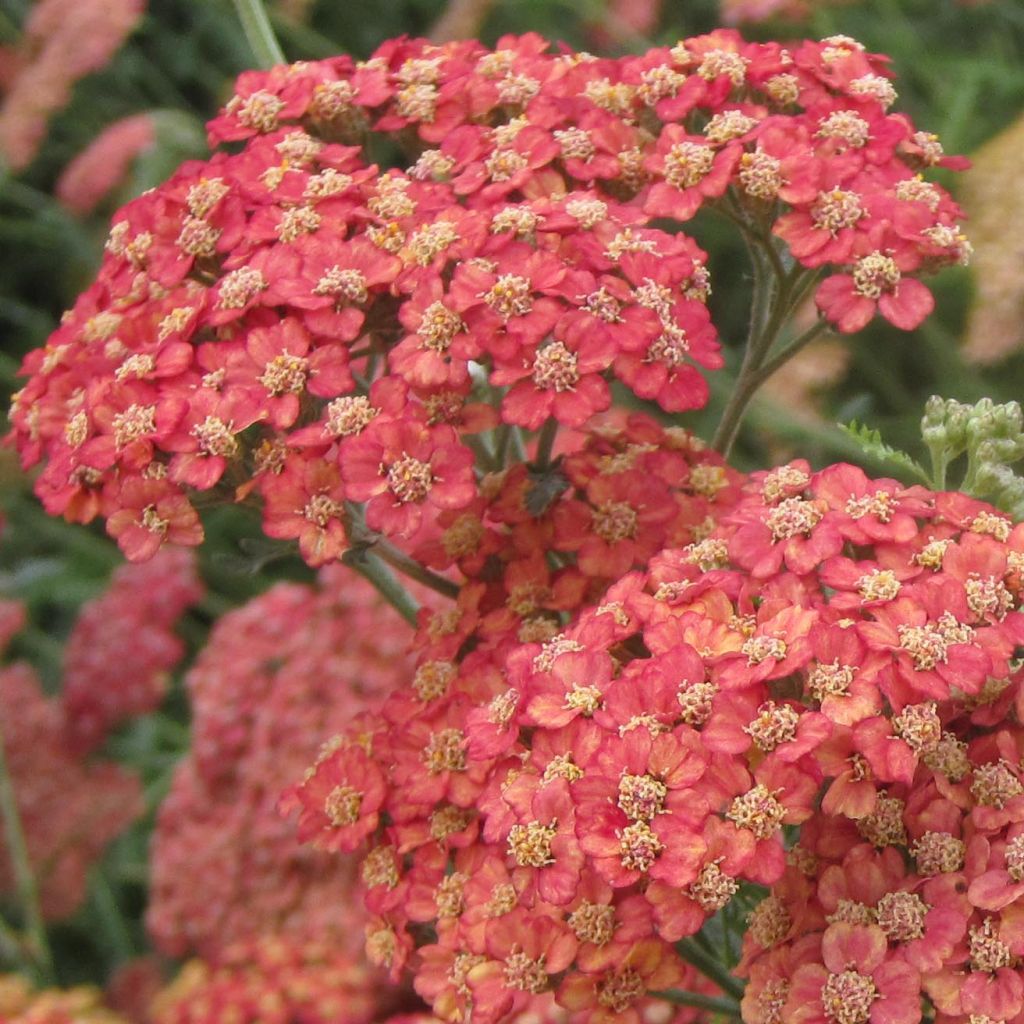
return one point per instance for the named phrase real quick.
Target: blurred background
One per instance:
(101, 99)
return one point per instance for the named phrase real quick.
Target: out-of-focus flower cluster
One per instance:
(272, 980)
(19, 1004)
(63, 41)
(290, 323)
(120, 650)
(105, 162)
(839, 653)
(278, 678)
(123, 646)
(69, 808)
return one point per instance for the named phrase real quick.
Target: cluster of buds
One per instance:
(839, 654)
(287, 323)
(992, 438)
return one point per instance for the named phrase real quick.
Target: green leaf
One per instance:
(871, 443)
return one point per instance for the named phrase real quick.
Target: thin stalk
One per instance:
(518, 448)
(408, 566)
(545, 442)
(26, 886)
(785, 297)
(784, 354)
(716, 1004)
(710, 967)
(728, 426)
(940, 463)
(110, 918)
(11, 945)
(259, 33)
(503, 438)
(365, 541)
(383, 579)
(482, 450)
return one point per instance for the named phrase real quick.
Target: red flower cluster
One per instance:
(839, 653)
(277, 679)
(123, 645)
(69, 808)
(445, 755)
(289, 323)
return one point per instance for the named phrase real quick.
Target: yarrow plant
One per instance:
(671, 740)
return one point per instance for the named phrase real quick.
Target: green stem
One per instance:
(729, 425)
(545, 442)
(716, 1004)
(771, 307)
(383, 579)
(111, 919)
(408, 566)
(258, 31)
(940, 463)
(366, 541)
(26, 886)
(12, 948)
(709, 966)
(784, 354)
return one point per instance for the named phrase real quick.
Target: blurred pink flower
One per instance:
(735, 12)
(104, 163)
(63, 41)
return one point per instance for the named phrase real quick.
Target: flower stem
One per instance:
(716, 1004)
(709, 966)
(363, 540)
(545, 442)
(110, 918)
(26, 885)
(784, 354)
(772, 305)
(408, 566)
(372, 569)
(262, 41)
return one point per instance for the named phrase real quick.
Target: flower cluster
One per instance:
(270, 981)
(838, 653)
(62, 43)
(105, 162)
(277, 678)
(69, 808)
(123, 646)
(19, 1004)
(290, 324)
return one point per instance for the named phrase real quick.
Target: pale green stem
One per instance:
(26, 885)
(110, 918)
(367, 541)
(709, 966)
(258, 31)
(408, 566)
(716, 1004)
(383, 579)
(772, 305)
